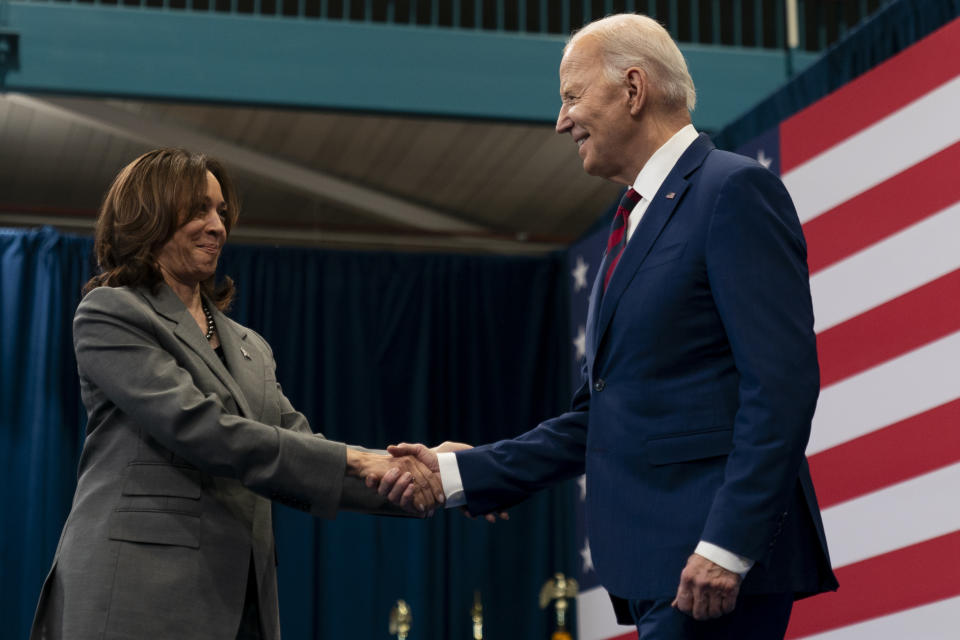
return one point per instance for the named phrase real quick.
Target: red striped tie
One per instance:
(617, 241)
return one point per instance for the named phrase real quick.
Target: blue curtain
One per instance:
(374, 348)
(41, 418)
(888, 32)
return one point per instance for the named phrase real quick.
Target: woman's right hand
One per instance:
(412, 484)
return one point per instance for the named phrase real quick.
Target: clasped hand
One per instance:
(409, 482)
(411, 477)
(706, 590)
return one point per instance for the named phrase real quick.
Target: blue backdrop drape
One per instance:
(41, 419)
(373, 348)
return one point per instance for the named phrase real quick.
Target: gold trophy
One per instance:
(400, 620)
(476, 614)
(559, 589)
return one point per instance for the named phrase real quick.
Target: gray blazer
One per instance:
(181, 460)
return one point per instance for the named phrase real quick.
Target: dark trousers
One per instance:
(759, 617)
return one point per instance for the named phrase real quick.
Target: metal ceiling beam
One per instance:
(102, 115)
(319, 237)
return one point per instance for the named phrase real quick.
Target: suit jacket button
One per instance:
(599, 385)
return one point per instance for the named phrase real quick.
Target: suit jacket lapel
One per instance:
(168, 305)
(655, 218)
(593, 311)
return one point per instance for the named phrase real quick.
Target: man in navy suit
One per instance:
(701, 373)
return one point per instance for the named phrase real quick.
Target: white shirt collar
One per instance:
(661, 163)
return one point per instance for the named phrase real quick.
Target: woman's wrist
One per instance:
(356, 461)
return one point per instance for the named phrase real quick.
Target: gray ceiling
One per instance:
(312, 178)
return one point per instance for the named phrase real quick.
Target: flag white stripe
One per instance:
(936, 621)
(902, 514)
(876, 153)
(887, 269)
(888, 393)
(595, 617)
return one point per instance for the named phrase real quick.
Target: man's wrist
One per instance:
(727, 559)
(450, 479)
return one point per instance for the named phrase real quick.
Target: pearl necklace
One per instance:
(211, 328)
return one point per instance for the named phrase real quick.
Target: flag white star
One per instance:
(579, 274)
(763, 159)
(580, 342)
(587, 556)
(582, 482)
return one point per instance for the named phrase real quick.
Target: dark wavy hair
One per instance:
(149, 200)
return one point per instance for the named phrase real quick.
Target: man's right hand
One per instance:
(428, 457)
(424, 454)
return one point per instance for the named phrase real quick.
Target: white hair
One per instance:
(632, 40)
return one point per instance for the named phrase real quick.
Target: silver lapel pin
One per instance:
(671, 195)
(245, 354)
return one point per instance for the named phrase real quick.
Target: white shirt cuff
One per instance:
(450, 479)
(718, 555)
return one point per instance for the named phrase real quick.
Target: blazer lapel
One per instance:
(655, 218)
(168, 305)
(245, 363)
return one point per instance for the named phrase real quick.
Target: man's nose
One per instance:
(564, 123)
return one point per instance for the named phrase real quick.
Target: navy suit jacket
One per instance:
(699, 386)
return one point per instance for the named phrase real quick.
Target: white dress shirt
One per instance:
(648, 182)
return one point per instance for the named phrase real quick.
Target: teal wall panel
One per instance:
(731, 80)
(317, 64)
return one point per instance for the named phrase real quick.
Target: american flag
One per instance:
(874, 170)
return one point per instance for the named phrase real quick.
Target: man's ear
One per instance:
(637, 89)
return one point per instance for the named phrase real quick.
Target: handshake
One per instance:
(409, 476)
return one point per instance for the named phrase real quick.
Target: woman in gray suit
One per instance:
(189, 436)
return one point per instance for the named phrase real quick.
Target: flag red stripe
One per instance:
(905, 323)
(920, 444)
(876, 94)
(627, 636)
(905, 578)
(891, 206)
